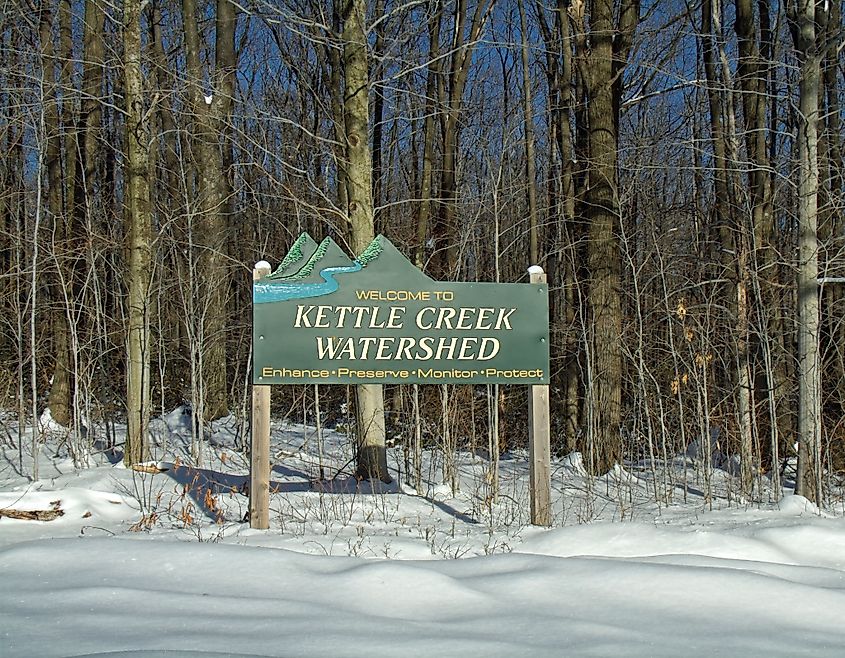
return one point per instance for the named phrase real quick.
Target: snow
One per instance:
(161, 563)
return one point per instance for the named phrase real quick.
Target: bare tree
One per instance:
(565, 243)
(372, 454)
(140, 239)
(424, 206)
(604, 43)
(530, 155)
(57, 63)
(466, 30)
(807, 19)
(211, 109)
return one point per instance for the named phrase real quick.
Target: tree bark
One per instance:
(611, 30)
(372, 452)
(426, 175)
(140, 240)
(564, 253)
(337, 105)
(55, 61)
(830, 225)
(804, 18)
(734, 235)
(378, 92)
(168, 136)
(530, 162)
(751, 75)
(211, 116)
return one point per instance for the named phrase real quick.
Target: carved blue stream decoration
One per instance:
(264, 293)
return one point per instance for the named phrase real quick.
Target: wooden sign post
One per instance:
(539, 441)
(259, 463)
(324, 318)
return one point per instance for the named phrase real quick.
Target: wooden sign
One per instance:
(324, 318)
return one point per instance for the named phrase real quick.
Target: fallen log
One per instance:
(151, 467)
(32, 515)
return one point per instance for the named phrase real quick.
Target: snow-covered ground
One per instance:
(640, 563)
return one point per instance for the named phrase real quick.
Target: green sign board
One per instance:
(324, 318)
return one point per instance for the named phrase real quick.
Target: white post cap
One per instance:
(263, 265)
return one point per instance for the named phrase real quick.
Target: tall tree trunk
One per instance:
(805, 16)
(563, 305)
(446, 230)
(777, 379)
(570, 234)
(139, 271)
(734, 233)
(168, 135)
(55, 123)
(337, 105)
(426, 175)
(91, 114)
(372, 452)
(831, 225)
(752, 80)
(530, 163)
(611, 30)
(830, 228)
(604, 256)
(211, 120)
(751, 75)
(378, 92)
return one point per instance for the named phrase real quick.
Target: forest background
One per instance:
(675, 167)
